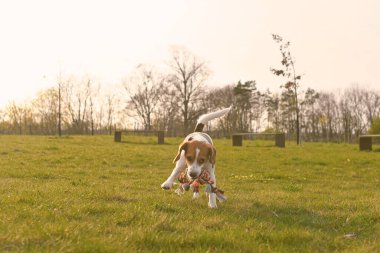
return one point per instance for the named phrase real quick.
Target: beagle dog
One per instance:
(196, 154)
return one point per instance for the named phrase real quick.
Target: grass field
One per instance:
(90, 194)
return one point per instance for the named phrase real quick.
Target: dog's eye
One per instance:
(201, 160)
(189, 158)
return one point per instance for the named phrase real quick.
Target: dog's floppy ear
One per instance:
(183, 146)
(211, 154)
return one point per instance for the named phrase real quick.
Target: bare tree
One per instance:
(59, 105)
(21, 118)
(143, 91)
(371, 100)
(272, 104)
(3, 122)
(354, 97)
(77, 95)
(346, 120)
(309, 118)
(110, 109)
(45, 110)
(244, 96)
(93, 105)
(188, 74)
(15, 114)
(219, 98)
(326, 116)
(166, 116)
(289, 72)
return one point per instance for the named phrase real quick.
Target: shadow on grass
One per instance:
(302, 221)
(202, 242)
(288, 216)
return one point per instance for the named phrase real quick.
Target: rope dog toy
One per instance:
(203, 179)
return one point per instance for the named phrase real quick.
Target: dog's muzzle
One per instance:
(193, 174)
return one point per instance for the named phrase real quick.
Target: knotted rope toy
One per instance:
(203, 179)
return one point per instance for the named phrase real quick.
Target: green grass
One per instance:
(90, 194)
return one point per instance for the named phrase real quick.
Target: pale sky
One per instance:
(335, 42)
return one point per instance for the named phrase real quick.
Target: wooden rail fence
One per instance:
(160, 135)
(365, 141)
(279, 138)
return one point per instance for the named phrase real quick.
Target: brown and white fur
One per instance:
(197, 153)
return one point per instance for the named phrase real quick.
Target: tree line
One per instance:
(173, 99)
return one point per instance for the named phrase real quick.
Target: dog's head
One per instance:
(197, 154)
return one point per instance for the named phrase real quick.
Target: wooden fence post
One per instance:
(280, 140)
(161, 137)
(118, 136)
(365, 143)
(237, 140)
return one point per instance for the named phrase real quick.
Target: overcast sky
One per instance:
(335, 42)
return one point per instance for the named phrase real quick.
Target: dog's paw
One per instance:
(167, 185)
(195, 195)
(212, 205)
(212, 201)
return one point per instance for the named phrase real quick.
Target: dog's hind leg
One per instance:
(179, 167)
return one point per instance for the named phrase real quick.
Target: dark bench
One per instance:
(160, 135)
(279, 138)
(365, 141)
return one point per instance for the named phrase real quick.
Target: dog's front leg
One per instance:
(212, 196)
(179, 167)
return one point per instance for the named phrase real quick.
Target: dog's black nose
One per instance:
(193, 174)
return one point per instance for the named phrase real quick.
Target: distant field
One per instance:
(90, 194)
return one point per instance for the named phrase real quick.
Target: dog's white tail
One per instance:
(203, 119)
